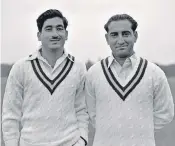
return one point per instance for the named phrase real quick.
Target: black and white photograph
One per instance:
(87, 73)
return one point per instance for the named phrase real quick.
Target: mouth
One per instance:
(55, 40)
(122, 47)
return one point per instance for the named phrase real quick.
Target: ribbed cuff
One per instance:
(12, 142)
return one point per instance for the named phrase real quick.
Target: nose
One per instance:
(55, 33)
(120, 40)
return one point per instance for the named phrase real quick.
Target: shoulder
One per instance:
(95, 68)
(79, 66)
(94, 71)
(20, 64)
(155, 69)
(155, 72)
(18, 68)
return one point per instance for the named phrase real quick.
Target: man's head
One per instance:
(52, 29)
(121, 35)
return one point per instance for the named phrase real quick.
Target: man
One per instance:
(44, 92)
(127, 96)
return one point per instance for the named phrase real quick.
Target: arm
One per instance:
(163, 101)
(80, 107)
(11, 110)
(90, 99)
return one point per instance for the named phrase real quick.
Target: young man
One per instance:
(127, 96)
(44, 92)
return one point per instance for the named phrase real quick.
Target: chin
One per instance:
(55, 47)
(123, 55)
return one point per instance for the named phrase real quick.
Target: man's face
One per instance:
(53, 34)
(121, 38)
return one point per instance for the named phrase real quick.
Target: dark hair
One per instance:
(51, 13)
(121, 17)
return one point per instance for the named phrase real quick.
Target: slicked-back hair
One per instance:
(121, 17)
(51, 13)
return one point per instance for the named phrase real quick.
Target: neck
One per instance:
(52, 55)
(121, 60)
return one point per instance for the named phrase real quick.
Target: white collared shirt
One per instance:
(47, 67)
(122, 72)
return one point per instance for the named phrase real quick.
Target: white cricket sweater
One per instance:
(49, 103)
(126, 114)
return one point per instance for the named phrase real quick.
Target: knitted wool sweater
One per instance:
(127, 114)
(49, 103)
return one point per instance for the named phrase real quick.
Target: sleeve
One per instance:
(11, 109)
(80, 107)
(90, 98)
(163, 101)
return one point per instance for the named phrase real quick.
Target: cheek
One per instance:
(130, 41)
(45, 37)
(112, 42)
(63, 35)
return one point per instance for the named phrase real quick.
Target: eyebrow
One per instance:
(126, 31)
(52, 26)
(114, 33)
(59, 26)
(48, 26)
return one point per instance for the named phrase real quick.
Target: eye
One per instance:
(114, 34)
(60, 28)
(48, 28)
(126, 33)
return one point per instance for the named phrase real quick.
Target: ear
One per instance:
(66, 35)
(106, 36)
(136, 36)
(39, 36)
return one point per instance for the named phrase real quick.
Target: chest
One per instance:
(137, 91)
(37, 82)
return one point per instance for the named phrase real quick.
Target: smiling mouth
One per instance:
(122, 48)
(56, 40)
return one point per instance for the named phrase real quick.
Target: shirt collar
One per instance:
(132, 59)
(37, 54)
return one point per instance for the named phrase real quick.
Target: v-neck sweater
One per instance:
(127, 114)
(49, 105)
